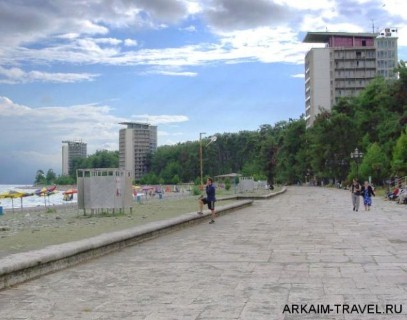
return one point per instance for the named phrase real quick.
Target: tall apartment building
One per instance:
(135, 143)
(72, 150)
(345, 66)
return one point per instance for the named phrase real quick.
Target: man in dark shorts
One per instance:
(209, 199)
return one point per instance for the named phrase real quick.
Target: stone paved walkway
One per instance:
(306, 246)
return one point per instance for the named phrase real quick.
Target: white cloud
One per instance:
(130, 43)
(173, 73)
(162, 133)
(268, 32)
(189, 29)
(194, 6)
(90, 122)
(109, 41)
(28, 22)
(309, 5)
(9, 108)
(17, 75)
(228, 15)
(69, 36)
(164, 10)
(263, 44)
(179, 74)
(170, 142)
(160, 119)
(299, 75)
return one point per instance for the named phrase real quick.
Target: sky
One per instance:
(73, 70)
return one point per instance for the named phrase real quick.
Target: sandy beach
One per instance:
(36, 227)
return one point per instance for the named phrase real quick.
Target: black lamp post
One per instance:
(356, 155)
(212, 139)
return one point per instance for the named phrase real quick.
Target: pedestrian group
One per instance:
(366, 191)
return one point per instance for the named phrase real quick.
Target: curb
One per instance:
(21, 267)
(265, 197)
(245, 197)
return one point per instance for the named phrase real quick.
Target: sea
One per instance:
(31, 201)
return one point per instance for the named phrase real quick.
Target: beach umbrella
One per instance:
(70, 191)
(135, 190)
(46, 192)
(68, 194)
(12, 194)
(23, 195)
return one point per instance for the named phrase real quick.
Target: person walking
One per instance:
(209, 199)
(355, 190)
(367, 192)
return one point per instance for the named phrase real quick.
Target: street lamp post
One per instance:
(212, 139)
(356, 155)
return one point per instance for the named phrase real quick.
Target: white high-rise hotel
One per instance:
(135, 143)
(345, 65)
(72, 150)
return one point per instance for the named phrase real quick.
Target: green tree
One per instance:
(399, 159)
(150, 178)
(374, 164)
(291, 164)
(40, 177)
(400, 92)
(50, 177)
(172, 169)
(379, 113)
(100, 159)
(227, 184)
(65, 180)
(175, 179)
(253, 169)
(268, 140)
(331, 140)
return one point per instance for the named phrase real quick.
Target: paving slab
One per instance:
(304, 247)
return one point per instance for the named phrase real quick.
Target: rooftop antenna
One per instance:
(372, 25)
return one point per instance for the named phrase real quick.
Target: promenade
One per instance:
(305, 246)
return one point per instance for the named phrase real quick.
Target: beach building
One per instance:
(136, 142)
(72, 150)
(345, 65)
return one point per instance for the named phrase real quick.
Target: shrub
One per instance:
(196, 191)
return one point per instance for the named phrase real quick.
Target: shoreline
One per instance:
(29, 203)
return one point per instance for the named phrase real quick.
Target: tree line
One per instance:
(375, 122)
